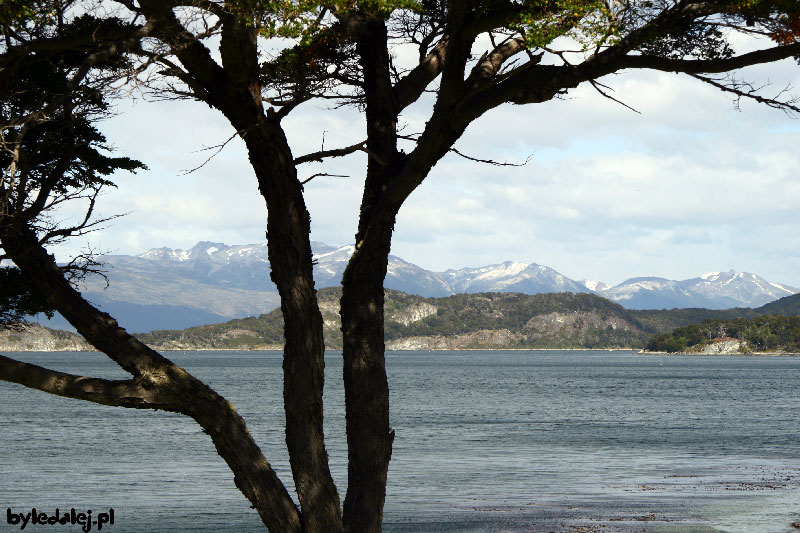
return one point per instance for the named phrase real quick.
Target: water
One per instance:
(485, 441)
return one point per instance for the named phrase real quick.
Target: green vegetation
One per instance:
(788, 306)
(665, 320)
(564, 320)
(19, 298)
(765, 333)
(240, 333)
(510, 320)
(464, 313)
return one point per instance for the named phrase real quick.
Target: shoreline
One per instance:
(732, 354)
(277, 348)
(330, 349)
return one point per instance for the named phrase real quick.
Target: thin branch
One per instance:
(476, 159)
(710, 66)
(82, 265)
(741, 89)
(492, 162)
(599, 88)
(54, 234)
(322, 174)
(219, 148)
(340, 152)
(336, 152)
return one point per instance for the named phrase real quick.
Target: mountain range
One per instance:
(214, 282)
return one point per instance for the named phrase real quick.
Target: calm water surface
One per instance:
(485, 441)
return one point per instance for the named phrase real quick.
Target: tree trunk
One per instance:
(369, 436)
(234, 89)
(288, 240)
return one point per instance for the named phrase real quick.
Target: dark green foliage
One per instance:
(764, 333)
(698, 41)
(62, 150)
(19, 299)
(787, 306)
(465, 314)
(665, 320)
(238, 333)
(50, 150)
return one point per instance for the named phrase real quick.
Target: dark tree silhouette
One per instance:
(528, 52)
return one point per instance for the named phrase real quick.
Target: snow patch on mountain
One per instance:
(247, 267)
(594, 285)
(788, 290)
(504, 270)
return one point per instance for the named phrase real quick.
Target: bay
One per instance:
(485, 441)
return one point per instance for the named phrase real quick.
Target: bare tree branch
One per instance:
(599, 88)
(218, 147)
(476, 159)
(318, 174)
(410, 88)
(336, 152)
(491, 62)
(742, 89)
(708, 66)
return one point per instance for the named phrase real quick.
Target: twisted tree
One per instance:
(471, 56)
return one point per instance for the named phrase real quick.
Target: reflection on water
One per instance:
(485, 441)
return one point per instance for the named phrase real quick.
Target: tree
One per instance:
(18, 299)
(50, 150)
(342, 51)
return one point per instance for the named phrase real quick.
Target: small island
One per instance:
(773, 334)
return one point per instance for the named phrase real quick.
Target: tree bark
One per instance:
(369, 436)
(289, 246)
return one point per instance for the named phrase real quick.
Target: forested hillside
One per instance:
(484, 320)
(774, 333)
(665, 320)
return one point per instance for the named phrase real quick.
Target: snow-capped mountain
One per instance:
(654, 293)
(247, 267)
(714, 290)
(211, 282)
(213, 263)
(510, 277)
(739, 286)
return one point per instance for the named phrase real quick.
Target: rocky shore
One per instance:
(36, 338)
(722, 346)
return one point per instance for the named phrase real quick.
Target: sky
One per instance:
(686, 186)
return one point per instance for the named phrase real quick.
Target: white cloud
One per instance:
(687, 186)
